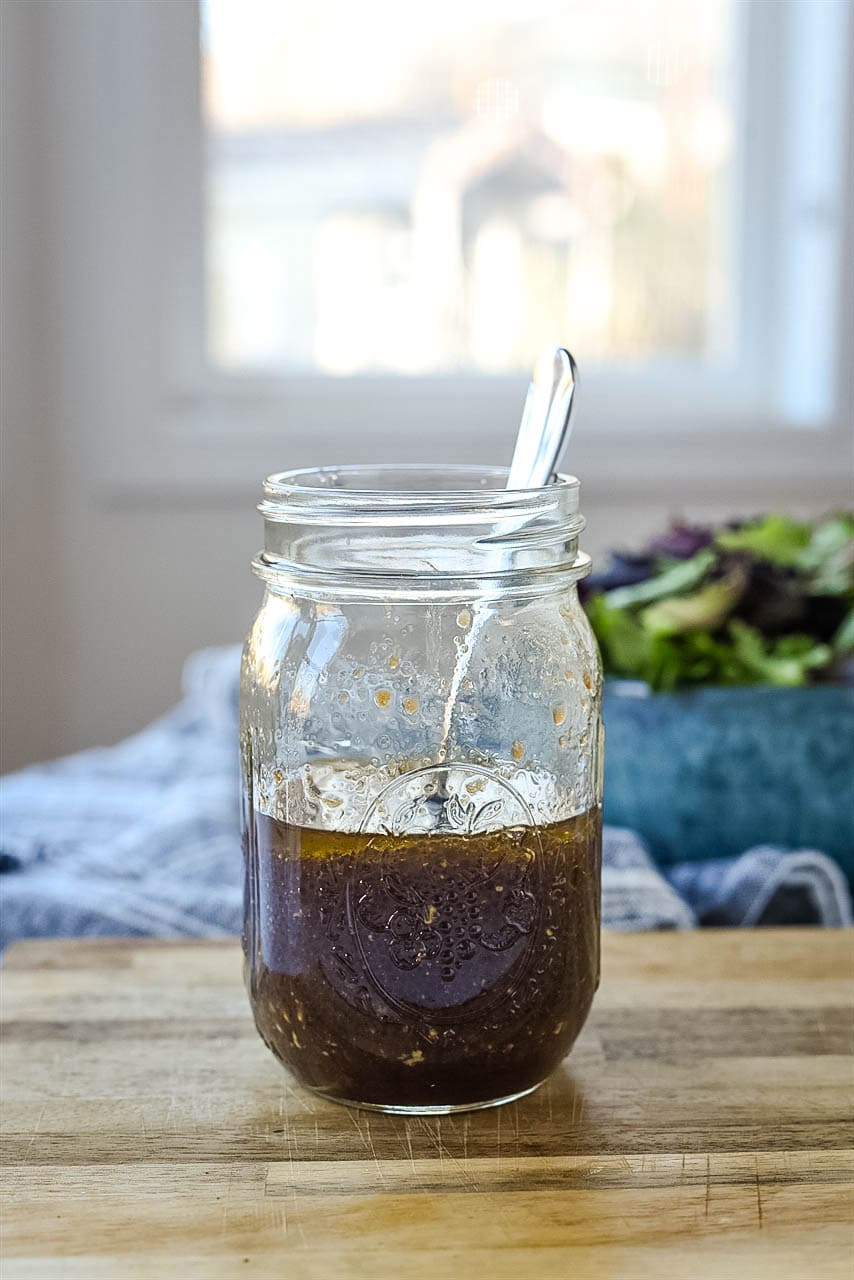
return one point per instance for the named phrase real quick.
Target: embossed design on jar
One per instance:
(343, 962)
(443, 920)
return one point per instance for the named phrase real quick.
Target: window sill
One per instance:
(632, 441)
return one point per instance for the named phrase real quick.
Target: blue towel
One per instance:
(142, 839)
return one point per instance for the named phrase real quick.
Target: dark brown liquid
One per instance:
(422, 970)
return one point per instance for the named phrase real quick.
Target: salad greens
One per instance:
(768, 601)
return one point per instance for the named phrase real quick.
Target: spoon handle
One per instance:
(545, 426)
(543, 433)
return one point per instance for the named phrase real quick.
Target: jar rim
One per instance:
(419, 529)
(394, 489)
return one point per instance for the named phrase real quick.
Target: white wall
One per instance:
(34, 710)
(108, 585)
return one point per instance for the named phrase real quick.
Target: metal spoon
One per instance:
(545, 427)
(543, 434)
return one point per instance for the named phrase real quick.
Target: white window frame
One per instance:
(669, 431)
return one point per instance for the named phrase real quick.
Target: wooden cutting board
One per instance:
(699, 1129)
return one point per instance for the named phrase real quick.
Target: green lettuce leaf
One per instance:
(775, 538)
(843, 641)
(787, 661)
(624, 643)
(672, 580)
(829, 559)
(703, 610)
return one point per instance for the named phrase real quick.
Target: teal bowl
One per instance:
(712, 772)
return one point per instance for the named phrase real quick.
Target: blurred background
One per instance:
(245, 235)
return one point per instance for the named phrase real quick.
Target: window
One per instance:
(352, 232)
(427, 188)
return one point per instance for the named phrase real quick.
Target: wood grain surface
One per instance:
(700, 1128)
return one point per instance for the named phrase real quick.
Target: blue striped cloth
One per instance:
(142, 839)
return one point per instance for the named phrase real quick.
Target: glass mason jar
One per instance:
(422, 758)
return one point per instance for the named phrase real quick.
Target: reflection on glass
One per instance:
(433, 187)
